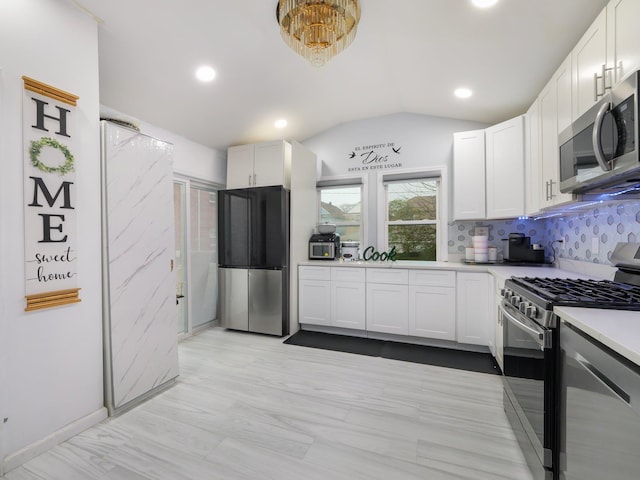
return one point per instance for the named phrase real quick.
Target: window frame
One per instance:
(343, 182)
(437, 172)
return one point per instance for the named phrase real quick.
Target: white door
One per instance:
(505, 169)
(240, 166)
(348, 305)
(143, 342)
(432, 312)
(472, 313)
(623, 48)
(468, 175)
(314, 302)
(387, 308)
(269, 163)
(588, 58)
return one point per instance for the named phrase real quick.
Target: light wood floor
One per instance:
(250, 407)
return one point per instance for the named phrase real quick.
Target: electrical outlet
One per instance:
(482, 231)
(595, 246)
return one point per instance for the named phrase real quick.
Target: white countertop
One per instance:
(617, 329)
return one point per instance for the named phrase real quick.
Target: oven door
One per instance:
(529, 380)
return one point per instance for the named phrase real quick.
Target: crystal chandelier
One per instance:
(318, 29)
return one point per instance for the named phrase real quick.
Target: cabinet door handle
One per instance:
(254, 179)
(551, 194)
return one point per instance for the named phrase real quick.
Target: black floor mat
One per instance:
(408, 352)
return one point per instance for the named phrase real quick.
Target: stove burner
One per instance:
(583, 293)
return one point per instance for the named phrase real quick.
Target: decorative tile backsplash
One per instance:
(608, 222)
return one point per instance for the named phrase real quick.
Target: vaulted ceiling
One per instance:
(408, 56)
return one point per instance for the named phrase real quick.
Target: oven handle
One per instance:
(542, 336)
(597, 144)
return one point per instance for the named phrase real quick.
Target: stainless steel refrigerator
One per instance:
(253, 259)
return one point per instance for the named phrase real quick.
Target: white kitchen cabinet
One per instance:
(432, 304)
(505, 169)
(623, 47)
(387, 308)
(314, 302)
(497, 322)
(259, 165)
(348, 298)
(562, 81)
(387, 300)
(473, 298)
(432, 312)
(469, 193)
(589, 58)
(314, 295)
(532, 169)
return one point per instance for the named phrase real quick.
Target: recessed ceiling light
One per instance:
(205, 73)
(280, 123)
(484, 3)
(462, 92)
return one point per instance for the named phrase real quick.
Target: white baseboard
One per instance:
(25, 454)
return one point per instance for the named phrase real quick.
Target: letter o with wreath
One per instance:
(36, 149)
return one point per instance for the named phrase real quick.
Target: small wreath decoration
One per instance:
(36, 148)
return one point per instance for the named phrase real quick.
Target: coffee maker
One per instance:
(518, 248)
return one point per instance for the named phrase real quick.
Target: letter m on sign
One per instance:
(40, 186)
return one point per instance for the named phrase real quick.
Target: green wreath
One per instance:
(36, 148)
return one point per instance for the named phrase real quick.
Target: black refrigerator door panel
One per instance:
(234, 227)
(269, 213)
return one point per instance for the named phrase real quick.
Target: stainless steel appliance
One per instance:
(600, 410)
(324, 246)
(518, 248)
(531, 350)
(599, 151)
(253, 257)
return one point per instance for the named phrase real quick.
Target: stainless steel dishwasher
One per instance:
(599, 412)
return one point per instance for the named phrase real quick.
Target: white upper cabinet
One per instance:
(469, 175)
(589, 58)
(259, 165)
(505, 169)
(623, 44)
(532, 159)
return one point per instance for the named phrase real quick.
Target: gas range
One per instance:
(570, 292)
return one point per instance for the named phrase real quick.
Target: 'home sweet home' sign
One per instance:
(49, 196)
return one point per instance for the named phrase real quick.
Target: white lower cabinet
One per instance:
(314, 302)
(348, 294)
(432, 304)
(314, 295)
(387, 310)
(473, 307)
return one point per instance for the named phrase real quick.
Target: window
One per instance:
(342, 205)
(412, 218)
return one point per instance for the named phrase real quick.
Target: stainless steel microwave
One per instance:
(599, 151)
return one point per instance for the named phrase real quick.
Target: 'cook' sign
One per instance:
(49, 196)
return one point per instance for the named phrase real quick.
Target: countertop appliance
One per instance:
(253, 259)
(599, 151)
(531, 350)
(518, 248)
(599, 410)
(324, 246)
(350, 250)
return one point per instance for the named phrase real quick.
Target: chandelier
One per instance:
(318, 29)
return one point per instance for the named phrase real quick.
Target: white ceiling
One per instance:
(408, 56)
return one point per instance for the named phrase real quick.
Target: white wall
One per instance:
(424, 141)
(51, 360)
(192, 159)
